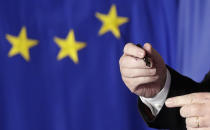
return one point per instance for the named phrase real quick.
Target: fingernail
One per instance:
(169, 102)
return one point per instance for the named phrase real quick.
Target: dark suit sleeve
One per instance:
(169, 118)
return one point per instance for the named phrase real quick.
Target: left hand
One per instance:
(195, 108)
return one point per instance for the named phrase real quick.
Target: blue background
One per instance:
(47, 94)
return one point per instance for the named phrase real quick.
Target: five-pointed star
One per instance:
(69, 47)
(21, 44)
(111, 22)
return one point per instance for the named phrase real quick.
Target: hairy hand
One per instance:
(139, 78)
(194, 108)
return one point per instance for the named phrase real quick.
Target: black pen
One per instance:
(146, 58)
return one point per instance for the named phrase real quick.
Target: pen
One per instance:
(146, 59)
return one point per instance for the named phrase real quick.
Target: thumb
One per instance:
(148, 48)
(152, 53)
(158, 63)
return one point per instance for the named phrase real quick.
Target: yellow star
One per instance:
(111, 22)
(69, 47)
(21, 44)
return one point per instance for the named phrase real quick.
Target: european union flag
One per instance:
(59, 61)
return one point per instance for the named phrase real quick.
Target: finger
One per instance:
(148, 48)
(188, 99)
(151, 51)
(132, 62)
(192, 122)
(133, 83)
(192, 110)
(189, 128)
(133, 50)
(195, 122)
(133, 73)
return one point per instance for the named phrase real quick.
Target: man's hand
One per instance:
(195, 108)
(140, 79)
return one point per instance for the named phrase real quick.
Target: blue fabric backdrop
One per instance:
(49, 94)
(193, 45)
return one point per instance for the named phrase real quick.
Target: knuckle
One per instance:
(198, 96)
(122, 71)
(194, 110)
(155, 78)
(192, 122)
(122, 61)
(124, 80)
(126, 72)
(132, 84)
(182, 111)
(140, 52)
(195, 96)
(152, 71)
(127, 47)
(207, 95)
(188, 122)
(128, 82)
(132, 90)
(189, 98)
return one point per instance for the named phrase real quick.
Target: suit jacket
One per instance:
(169, 118)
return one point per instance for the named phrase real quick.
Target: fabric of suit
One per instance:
(169, 118)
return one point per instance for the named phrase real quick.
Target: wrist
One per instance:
(156, 103)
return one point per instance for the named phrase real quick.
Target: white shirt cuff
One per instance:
(156, 103)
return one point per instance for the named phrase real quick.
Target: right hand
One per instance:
(140, 79)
